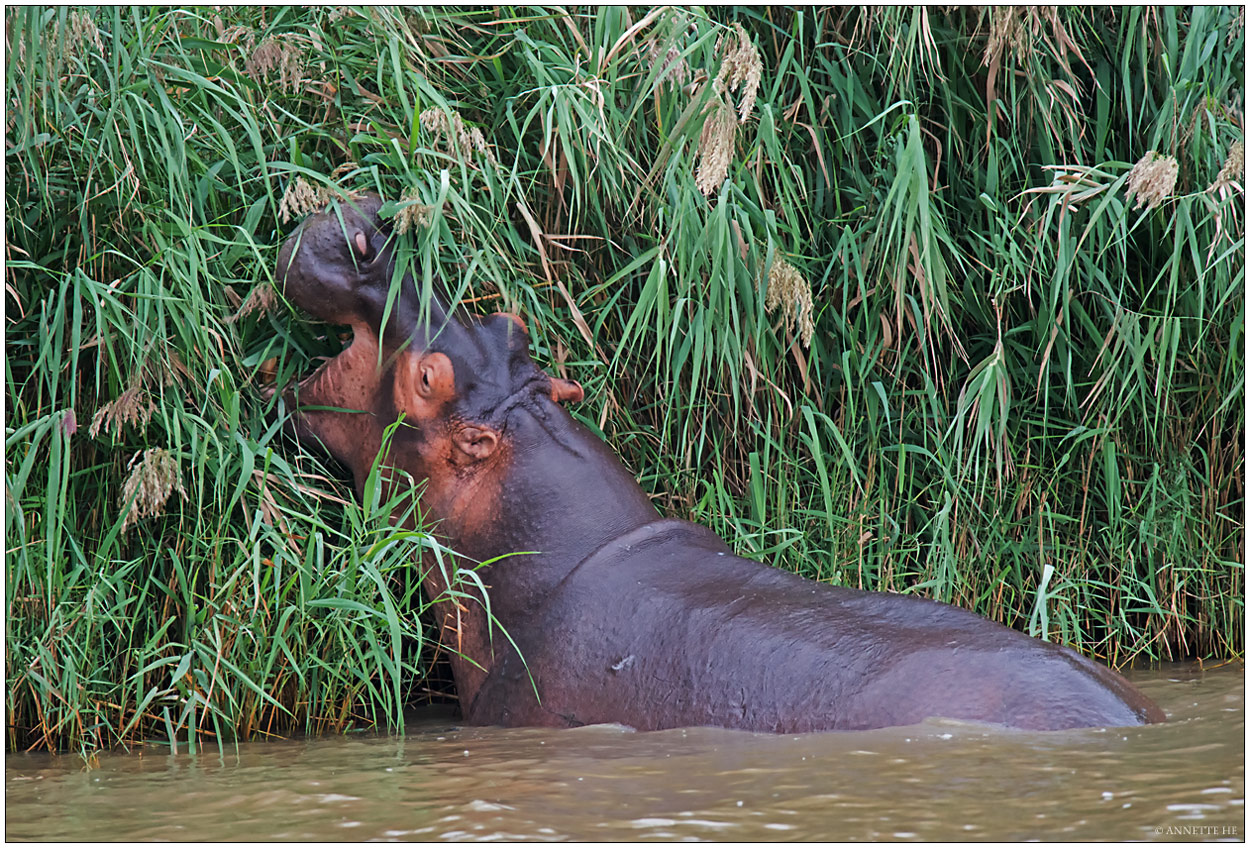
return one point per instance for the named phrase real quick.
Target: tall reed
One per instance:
(942, 302)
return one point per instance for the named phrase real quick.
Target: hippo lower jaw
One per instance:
(336, 405)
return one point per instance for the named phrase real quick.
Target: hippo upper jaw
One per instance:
(338, 264)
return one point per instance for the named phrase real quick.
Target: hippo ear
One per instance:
(565, 391)
(422, 383)
(475, 443)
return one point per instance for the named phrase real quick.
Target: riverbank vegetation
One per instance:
(949, 302)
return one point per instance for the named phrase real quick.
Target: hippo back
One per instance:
(665, 627)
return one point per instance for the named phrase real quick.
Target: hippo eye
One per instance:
(362, 245)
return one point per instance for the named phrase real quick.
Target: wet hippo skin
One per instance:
(622, 615)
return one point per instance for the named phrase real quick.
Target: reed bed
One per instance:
(946, 302)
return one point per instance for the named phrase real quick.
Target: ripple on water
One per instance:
(935, 781)
(477, 806)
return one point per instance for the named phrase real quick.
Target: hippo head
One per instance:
(511, 480)
(452, 383)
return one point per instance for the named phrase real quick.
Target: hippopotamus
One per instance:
(600, 609)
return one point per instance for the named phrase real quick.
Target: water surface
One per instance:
(940, 780)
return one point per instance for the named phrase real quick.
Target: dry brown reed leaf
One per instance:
(1019, 33)
(1075, 183)
(174, 370)
(895, 33)
(1152, 179)
(150, 484)
(1229, 180)
(790, 291)
(716, 146)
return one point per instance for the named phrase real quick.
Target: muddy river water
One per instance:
(940, 780)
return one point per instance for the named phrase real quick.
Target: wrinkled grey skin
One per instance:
(624, 616)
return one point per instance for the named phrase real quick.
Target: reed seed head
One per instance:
(741, 66)
(461, 141)
(416, 216)
(150, 484)
(301, 199)
(133, 406)
(260, 300)
(1232, 175)
(716, 147)
(340, 12)
(66, 41)
(1021, 30)
(1152, 179)
(282, 55)
(674, 70)
(790, 291)
(1006, 32)
(80, 30)
(243, 36)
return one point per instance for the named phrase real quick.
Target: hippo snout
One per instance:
(336, 261)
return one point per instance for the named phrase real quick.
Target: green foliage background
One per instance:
(1023, 390)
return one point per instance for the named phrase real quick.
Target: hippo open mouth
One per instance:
(452, 380)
